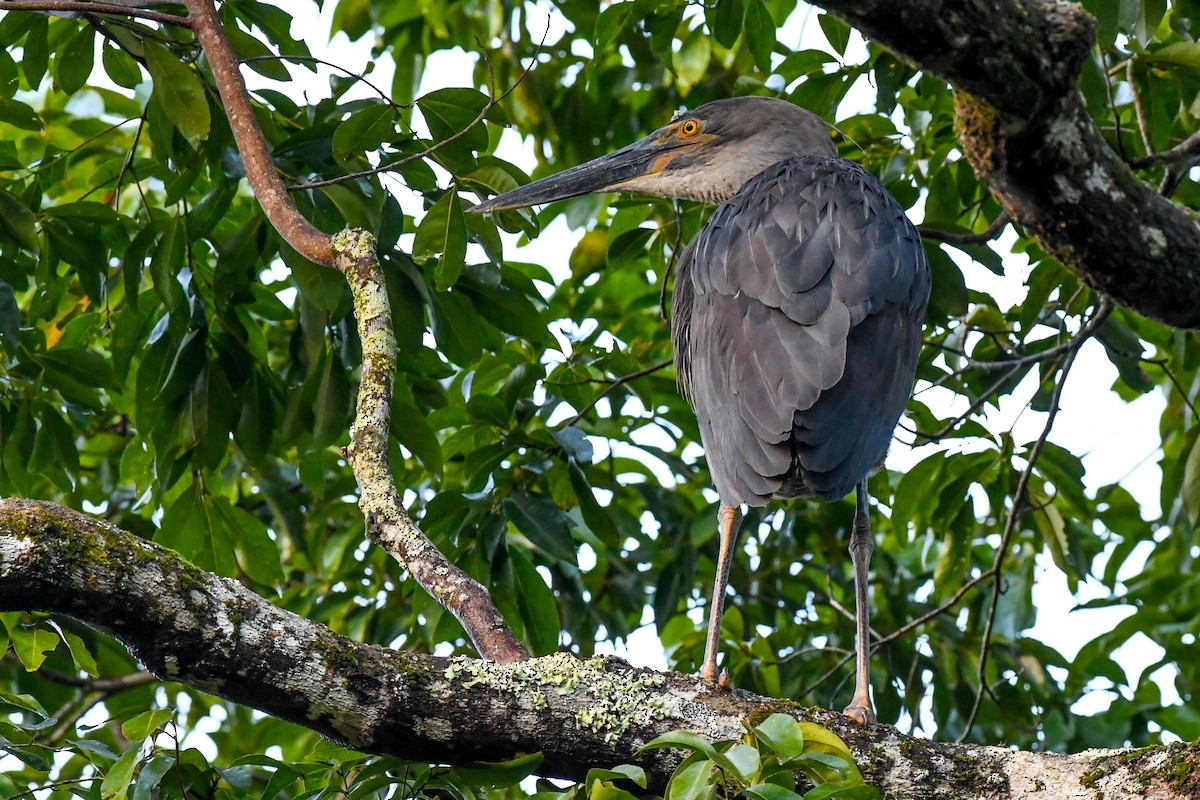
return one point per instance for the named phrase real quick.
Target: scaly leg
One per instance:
(861, 545)
(728, 520)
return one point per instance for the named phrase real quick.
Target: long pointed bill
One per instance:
(604, 174)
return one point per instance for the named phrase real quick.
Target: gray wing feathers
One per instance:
(797, 326)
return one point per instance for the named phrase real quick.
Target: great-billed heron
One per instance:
(797, 313)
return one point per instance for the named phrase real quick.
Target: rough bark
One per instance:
(1026, 131)
(189, 626)
(388, 524)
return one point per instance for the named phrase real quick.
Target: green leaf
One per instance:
(443, 231)
(122, 69)
(690, 61)
(769, 791)
(10, 319)
(19, 115)
(628, 772)
(610, 22)
(138, 727)
(16, 221)
(364, 131)
(411, 429)
(727, 21)
(32, 645)
(783, 734)
(36, 55)
(151, 775)
(1190, 490)
(500, 774)
(536, 601)
(544, 523)
(74, 62)
(258, 554)
(691, 779)
(837, 33)
(81, 657)
(449, 112)
(188, 528)
(116, 782)
(760, 34)
(683, 740)
(24, 702)
(178, 91)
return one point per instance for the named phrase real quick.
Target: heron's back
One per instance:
(797, 326)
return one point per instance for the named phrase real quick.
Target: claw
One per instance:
(861, 714)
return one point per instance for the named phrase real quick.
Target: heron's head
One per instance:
(706, 154)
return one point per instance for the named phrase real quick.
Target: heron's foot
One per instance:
(862, 713)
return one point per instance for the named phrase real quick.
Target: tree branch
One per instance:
(213, 634)
(261, 174)
(1026, 131)
(388, 524)
(83, 7)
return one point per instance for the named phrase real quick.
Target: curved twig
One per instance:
(621, 381)
(950, 237)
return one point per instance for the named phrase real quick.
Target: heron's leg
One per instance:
(861, 545)
(728, 520)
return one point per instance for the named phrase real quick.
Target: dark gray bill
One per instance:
(598, 175)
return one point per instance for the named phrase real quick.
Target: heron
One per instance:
(797, 315)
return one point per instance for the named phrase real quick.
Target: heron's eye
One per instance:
(689, 128)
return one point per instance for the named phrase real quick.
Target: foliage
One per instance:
(764, 766)
(168, 364)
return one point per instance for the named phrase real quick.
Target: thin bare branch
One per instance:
(950, 237)
(83, 7)
(614, 384)
(1010, 525)
(1139, 108)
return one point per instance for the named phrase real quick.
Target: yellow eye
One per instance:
(689, 128)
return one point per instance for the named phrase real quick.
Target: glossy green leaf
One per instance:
(32, 644)
(74, 63)
(364, 131)
(543, 523)
(120, 775)
(443, 232)
(179, 92)
(502, 773)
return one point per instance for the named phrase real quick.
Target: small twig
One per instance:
(1104, 307)
(108, 685)
(1010, 525)
(1139, 109)
(950, 237)
(1185, 152)
(1010, 367)
(95, 8)
(1161, 363)
(1112, 105)
(617, 382)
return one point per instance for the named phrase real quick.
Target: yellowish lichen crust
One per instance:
(613, 702)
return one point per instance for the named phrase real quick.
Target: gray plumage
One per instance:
(796, 328)
(797, 320)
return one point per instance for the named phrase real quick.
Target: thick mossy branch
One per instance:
(388, 524)
(190, 626)
(1027, 132)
